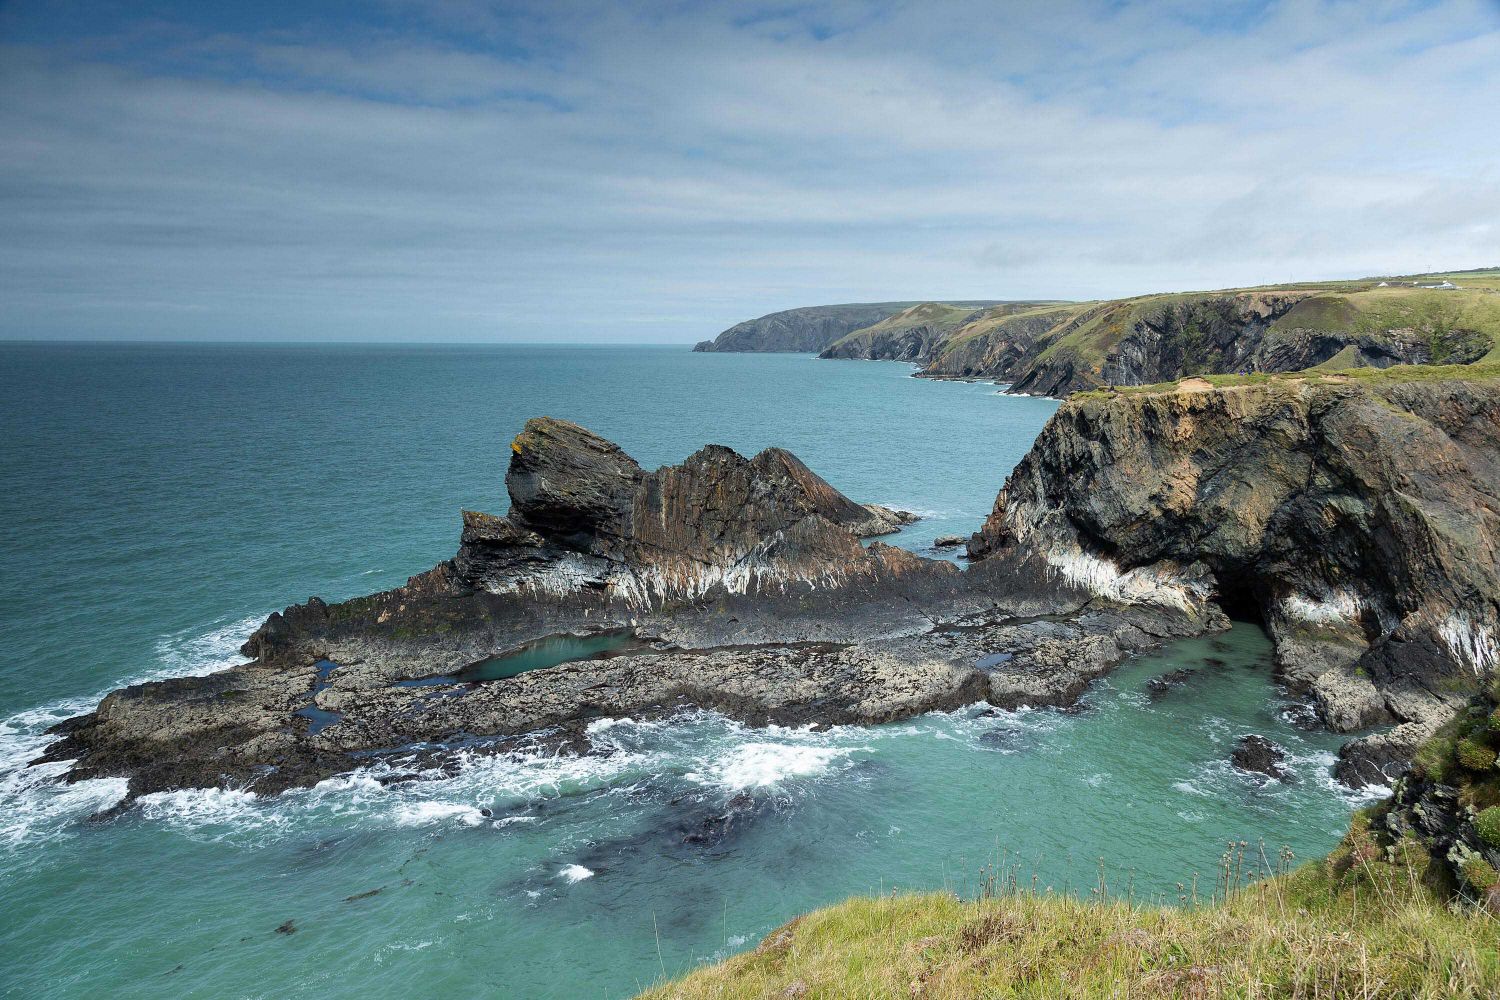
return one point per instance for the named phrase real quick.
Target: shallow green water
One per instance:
(548, 652)
(158, 502)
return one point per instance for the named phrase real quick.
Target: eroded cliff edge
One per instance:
(1360, 517)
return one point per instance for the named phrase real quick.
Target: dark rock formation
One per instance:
(1158, 687)
(1359, 517)
(1260, 756)
(948, 541)
(914, 334)
(743, 582)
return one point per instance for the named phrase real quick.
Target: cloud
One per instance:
(529, 172)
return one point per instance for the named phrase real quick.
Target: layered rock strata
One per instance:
(1360, 518)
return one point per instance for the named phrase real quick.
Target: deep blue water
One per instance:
(156, 502)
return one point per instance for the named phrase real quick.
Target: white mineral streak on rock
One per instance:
(1471, 641)
(672, 581)
(1103, 577)
(1338, 607)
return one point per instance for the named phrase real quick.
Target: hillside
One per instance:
(1054, 348)
(807, 330)
(916, 334)
(1363, 924)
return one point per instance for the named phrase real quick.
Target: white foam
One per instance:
(762, 765)
(211, 814)
(35, 806)
(33, 803)
(575, 873)
(431, 812)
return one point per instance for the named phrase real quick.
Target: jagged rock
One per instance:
(1358, 517)
(1260, 755)
(742, 586)
(881, 521)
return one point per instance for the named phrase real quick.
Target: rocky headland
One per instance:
(1358, 517)
(737, 584)
(1356, 514)
(1055, 348)
(810, 329)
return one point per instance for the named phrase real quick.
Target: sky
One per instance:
(460, 170)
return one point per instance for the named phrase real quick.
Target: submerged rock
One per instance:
(1260, 755)
(1157, 687)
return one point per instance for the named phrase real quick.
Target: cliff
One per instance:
(1055, 350)
(1358, 516)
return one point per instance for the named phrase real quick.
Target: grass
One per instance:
(1364, 923)
(1450, 320)
(940, 316)
(1373, 377)
(1379, 917)
(1456, 324)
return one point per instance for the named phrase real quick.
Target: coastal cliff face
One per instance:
(1055, 348)
(1360, 517)
(812, 329)
(1052, 351)
(914, 334)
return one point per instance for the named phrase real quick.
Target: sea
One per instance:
(158, 501)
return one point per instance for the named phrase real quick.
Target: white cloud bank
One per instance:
(639, 173)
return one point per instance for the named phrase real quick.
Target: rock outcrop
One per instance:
(741, 585)
(1359, 517)
(1259, 755)
(914, 334)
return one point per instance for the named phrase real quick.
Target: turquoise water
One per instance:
(548, 652)
(158, 502)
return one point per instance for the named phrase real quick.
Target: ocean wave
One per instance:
(34, 804)
(766, 765)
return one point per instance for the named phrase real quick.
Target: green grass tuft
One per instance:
(1475, 755)
(1487, 825)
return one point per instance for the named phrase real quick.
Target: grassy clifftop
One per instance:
(1364, 923)
(1057, 349)
(1404, 907)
